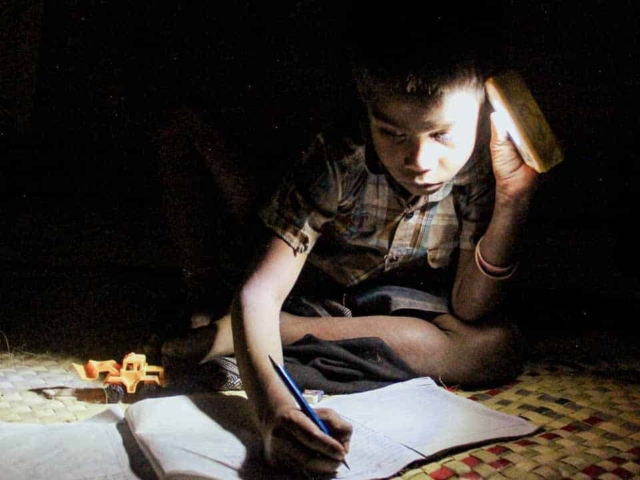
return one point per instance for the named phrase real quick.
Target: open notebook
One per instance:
(211, 436)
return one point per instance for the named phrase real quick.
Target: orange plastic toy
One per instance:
(133, 370)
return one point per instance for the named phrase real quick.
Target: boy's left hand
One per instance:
(514, 178)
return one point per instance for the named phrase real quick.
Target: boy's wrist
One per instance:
(516, 206)
(521, 196)
(271, 405)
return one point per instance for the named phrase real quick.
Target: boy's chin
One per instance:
(422, 189)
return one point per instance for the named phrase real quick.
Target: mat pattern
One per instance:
(590, 429)
(22, 373)
(590, 422)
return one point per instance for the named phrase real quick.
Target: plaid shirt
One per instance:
(343, 208)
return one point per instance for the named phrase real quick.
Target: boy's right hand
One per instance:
(294, 443)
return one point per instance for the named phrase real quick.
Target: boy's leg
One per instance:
(444, 348)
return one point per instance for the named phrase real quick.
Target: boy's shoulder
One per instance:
(342, 141)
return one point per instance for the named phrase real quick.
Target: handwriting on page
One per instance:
(422, 416)
(373, 455)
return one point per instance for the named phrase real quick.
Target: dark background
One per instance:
(84, 255)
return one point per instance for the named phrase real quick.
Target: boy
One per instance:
(417, 190)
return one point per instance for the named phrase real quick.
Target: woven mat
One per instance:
(590, 421)
(591, 429)
(22, 374)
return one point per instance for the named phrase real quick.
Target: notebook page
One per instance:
(428, 418)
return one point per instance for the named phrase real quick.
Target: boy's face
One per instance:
(423, 145)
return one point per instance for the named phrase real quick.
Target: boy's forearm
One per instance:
(256, 335)
(255, 320)
(502, 238)
(475, 294)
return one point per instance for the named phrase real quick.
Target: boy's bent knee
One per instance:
(483, 355)
(500, 356)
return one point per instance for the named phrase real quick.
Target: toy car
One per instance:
(123, 377)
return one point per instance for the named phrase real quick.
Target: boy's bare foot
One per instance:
(206, 340)
(200, 319)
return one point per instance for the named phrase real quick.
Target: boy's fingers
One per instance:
(340, 429)
(499, 126)
(297, 428)
(287, 452)
(306, 432)
(505, 157)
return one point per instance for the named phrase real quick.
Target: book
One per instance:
(209, 436)
(212, 436)
(98, 448)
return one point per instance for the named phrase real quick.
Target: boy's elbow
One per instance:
(477, 315)
(243, 299)
(467, 313)
(255, 296)
(475, 309)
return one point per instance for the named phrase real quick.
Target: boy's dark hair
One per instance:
(423, 48)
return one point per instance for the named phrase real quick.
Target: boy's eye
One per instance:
(392, 133)
(442, 137)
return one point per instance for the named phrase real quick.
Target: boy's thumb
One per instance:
(499, 126)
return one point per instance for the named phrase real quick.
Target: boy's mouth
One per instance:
(421, 187)
(423, 180)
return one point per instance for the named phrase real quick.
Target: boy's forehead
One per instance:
(409, 110)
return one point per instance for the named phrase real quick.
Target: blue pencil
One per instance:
(300, 400)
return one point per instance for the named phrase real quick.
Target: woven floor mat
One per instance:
(23, 374)
(590, 423)
(591, 429)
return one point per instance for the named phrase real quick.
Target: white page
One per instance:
(203, 436)
(92, 449)
(211, 436)
(373, 456)
(428, 418)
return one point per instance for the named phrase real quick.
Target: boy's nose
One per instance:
(421, 156)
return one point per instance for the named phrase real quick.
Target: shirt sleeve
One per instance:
(306, 200)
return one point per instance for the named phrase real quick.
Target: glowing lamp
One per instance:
(527, 126)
